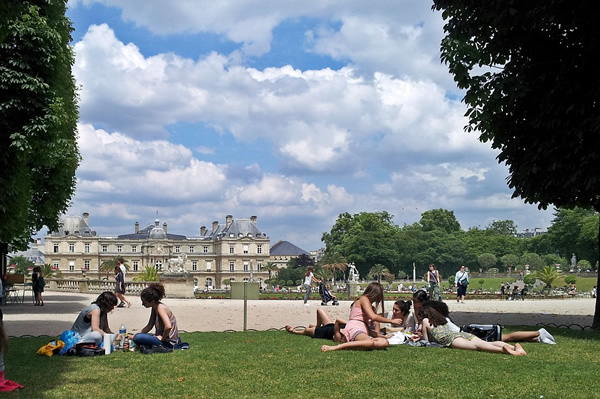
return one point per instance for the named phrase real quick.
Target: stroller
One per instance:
(326, 296)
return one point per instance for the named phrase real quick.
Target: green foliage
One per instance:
(38, 118)
(529, 279)
(509, 260)
(439, 219)
(503, 228)
(575, 231)
(481, 282)
(570, 279)
(584, 265)
(149, 273)
(108, 266)
(533, 260)
(302, 261)
(547, 274)
(487, 260)
(22, 264)
(378, 271)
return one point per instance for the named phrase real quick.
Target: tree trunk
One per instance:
(596, 322)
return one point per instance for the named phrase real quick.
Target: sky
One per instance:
(291, 111)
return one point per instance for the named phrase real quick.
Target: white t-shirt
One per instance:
(123, 269)
(308, 279)
(409, 323)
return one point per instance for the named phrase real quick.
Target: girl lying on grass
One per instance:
(362, 316)
(434, 327)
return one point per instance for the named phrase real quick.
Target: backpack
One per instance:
(487, 332)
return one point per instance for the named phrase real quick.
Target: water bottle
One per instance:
(125, 344)
(123, 332)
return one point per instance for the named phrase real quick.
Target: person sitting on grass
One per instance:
(362, 316)
(325, 328)
(434, 328)
(5, 385)
(161, 318)
(92, 322)
(401, 310)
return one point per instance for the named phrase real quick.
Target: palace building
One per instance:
(234, 251)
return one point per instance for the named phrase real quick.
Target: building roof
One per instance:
(281, 248)
(153, 232)
(73, 225)
(238, 228)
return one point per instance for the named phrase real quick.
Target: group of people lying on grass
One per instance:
(92, 322)
(430, 322)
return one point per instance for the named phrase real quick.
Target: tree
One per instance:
(23, 265)
(270, 267)
(570, 279)
(547, 274)
(378, 271)
(533, 260)
(302, 261)
(364, 239)
(149, 273)
(533, 99)
(38, 118)
(439, 219)
(108, 266)
(487, 260)
(503, 227)
(509, 260)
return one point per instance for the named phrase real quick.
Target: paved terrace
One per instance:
(62, 308)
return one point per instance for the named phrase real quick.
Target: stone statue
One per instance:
(176, 264)
(352, 273)
(573, 262)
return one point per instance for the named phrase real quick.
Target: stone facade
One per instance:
(235, 250)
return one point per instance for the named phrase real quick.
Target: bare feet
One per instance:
(327, 348)
(520, 349)
(311, 325)
(128, 304)
(517, 351)
(289, 328)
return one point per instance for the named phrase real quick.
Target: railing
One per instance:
(92, 286)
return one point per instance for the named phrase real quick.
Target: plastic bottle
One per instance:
(122, 330)
(125, 344)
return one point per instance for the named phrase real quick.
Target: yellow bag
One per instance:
(51, 348)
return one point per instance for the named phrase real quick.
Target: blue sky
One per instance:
(291, 111)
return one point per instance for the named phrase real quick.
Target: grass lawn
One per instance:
(275, 364)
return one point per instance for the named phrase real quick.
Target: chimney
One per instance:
(253, 219)
(215, 226)
(137, 227)
(228, 221)
(202, 230)
(86, 217)
(165, 226)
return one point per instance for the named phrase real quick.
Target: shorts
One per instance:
(325, 332)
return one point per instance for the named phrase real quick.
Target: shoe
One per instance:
(306, 304)
(154, 349)
(545, 337)
(120, 305)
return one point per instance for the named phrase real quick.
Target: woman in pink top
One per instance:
(362, 315)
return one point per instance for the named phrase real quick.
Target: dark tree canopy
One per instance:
(536, 96)
(529, 69)
(38, 117)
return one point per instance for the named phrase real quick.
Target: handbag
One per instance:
(487, 332)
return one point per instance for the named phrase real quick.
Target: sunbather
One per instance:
(325, 328)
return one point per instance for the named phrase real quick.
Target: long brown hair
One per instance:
(309, 270)
(435, 317)
(374, 292)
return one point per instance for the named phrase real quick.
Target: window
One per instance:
(119, 248)
(104, 248)
(86, 264)
(259, 249)
(56, 264)
(231, 266)
(209, 282)
(208, 266)
(177, 249)
(55, 248)
(135, 265)
(87, 248)
(259, 266)
(205, 249)
(71, 247)
(246, 248)
(134, 248)
(158, 265)
(71, 266)
(231, 249)
(191, 249)
(194, 266)
(245, 266)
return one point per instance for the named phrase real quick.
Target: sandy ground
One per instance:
(61, 309)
